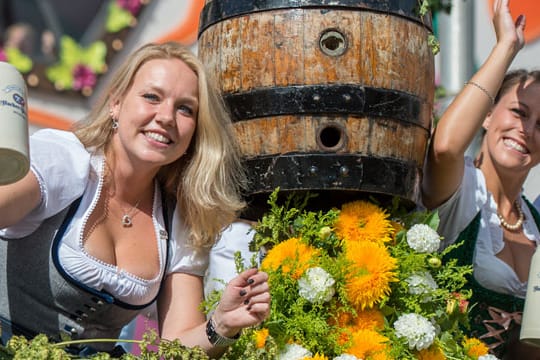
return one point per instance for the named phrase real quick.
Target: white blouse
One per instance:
(455, 214)
(65, 171)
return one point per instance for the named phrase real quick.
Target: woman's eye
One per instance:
(184, 109)
(151, 97)
(519, 112)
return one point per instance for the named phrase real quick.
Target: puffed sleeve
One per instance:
(183, 257)
(458, 211)
(61, 164)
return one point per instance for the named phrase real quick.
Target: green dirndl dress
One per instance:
(494, 317)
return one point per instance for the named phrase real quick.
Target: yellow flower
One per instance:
(432, 353)
(292, 255)
(363, 221)
(371, 273)
(260, 337)
(475, 347)
(369, 344)
(316, 357)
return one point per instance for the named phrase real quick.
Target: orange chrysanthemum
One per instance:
(475, 347)
(369, 344)
(432, 353)
(370, 319)
(372, 271)
(260, 337)
(363, 221)
(292, 255)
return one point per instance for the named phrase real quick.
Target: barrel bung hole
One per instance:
(331, 137)
(332, 42)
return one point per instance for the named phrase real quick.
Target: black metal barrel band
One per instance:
(333, 172)
(331, 99)
(220, 10)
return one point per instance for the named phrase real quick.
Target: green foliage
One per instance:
(313, 325)
(152, 348)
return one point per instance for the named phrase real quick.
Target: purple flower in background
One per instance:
(83, 77)
(133, 6)
(3, 56)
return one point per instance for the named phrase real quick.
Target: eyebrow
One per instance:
(520, 103)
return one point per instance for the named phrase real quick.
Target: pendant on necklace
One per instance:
(126, 221)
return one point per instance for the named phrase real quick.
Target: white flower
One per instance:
(346, 357)
(418, 331)
(423, 239)
(316, 286)
(294, 352)
(488, 357)
(421, 283)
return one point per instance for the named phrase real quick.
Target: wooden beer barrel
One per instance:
(333, 97)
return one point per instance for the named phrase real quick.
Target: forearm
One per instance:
(18, 199)
(465, 115)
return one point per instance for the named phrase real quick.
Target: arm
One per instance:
(18, 199)
(464, 117)
(245, 302)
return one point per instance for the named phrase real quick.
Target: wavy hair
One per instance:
(208, 180)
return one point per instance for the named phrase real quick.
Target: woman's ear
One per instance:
(487, 121)
(114, 109)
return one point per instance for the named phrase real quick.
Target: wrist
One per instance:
(219, 335)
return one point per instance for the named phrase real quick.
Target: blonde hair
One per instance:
(207, 181)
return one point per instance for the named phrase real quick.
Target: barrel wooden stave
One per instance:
(280, 48)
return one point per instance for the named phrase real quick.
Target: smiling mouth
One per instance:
(514, 145)
(157, 137)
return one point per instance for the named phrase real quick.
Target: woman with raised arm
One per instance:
(123, 211)
(480, 200)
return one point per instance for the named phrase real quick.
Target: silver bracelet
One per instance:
(483, 89)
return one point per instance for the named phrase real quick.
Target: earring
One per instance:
(115, 124)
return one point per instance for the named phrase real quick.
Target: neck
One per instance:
(127, 185)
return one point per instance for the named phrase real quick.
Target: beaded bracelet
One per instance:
(483, 89)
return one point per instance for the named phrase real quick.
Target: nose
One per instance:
(165, 114)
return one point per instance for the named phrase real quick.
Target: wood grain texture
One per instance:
(281, 48)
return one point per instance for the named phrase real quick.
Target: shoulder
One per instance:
(470, 197)
(61, 138)
(62, 167)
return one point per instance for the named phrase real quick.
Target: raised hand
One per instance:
(506, 29)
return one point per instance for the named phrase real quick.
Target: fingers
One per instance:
(241, 289)
(496, 5)
(251, 293)
(245, 301)
(245, 278)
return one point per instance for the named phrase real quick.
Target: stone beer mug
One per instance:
(14, 149)
(530, 322)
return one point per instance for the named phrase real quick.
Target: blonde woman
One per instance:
(123, 211)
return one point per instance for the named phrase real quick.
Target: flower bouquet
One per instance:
(359, 282)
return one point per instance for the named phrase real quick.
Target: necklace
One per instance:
(519, 222)
(127, 218)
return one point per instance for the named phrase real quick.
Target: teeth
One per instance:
(515, 145)
(157, 137)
